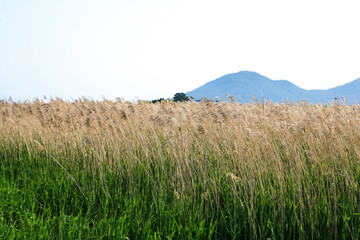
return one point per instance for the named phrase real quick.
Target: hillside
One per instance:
(243, 84)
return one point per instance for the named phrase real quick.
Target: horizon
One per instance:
(141, 50)
(71, 99)
(45, 98)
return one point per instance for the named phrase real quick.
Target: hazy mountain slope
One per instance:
(242, 84)
(351, 91)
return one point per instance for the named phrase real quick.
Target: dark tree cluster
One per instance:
(178, 97)
(157, 100)
(181, 97)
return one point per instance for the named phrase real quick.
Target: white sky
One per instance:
(152, 49)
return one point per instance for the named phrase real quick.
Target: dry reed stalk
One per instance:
(249, 141)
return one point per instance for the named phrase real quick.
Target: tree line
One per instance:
(178, 97)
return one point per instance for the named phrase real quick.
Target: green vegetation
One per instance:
(181, 97)
(112, 170)
(158, 100)
(178, 97)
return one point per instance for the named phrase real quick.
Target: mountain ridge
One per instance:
(245, 83)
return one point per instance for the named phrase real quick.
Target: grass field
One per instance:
(120, 170)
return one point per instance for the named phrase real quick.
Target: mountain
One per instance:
(243, 84)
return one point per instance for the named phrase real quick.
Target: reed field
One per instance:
(119, 170)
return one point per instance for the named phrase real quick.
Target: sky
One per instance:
(141, 49)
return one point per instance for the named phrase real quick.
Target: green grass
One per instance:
(39, 200)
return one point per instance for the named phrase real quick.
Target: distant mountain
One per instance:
(243, 84)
